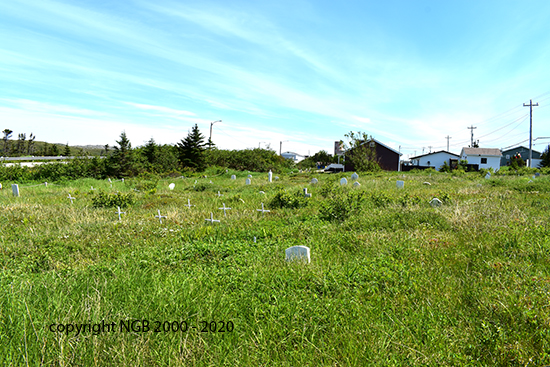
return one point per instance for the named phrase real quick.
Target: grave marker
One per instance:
(488, 175)
(189, 204)
(219, 195)
(160, 216)
(354, 176)
(248, 182)
(171, 186)
(427, 183)
(300, 253)
(70, 198)
(435, 202)
(263, 210)
(224, 209)
(249, 176)
(537, 174)
(356, 184)
(15, 189)
(314, 181)
(119, 212)
(343, 181)
(45, 184)
(211, 219)
(270, 176)
(276, 177)
(233, 177)
(0, 186)
(400, 184)
(306, 194)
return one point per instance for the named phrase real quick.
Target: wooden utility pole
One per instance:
(448, 137)
(531, 105)
(472, 128)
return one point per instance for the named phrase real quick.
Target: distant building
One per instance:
(386, 157)
(523, 152)
(293, 156)
(479, 158)
(433, 160)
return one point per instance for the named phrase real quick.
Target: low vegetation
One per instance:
(392, 280)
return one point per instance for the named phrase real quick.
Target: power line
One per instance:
(472, 128)
(531, 105)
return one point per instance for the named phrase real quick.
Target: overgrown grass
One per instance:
(392, 281)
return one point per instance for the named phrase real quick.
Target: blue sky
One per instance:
(303, 72)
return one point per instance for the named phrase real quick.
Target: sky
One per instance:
(293, 75)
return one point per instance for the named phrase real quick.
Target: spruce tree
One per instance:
(122, 160)
(67, 151)
(191, 150)
(545, 157)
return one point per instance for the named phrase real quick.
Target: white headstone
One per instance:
(488, 175)
(435, 202)
(249, 176)
(276, 177)
(224, 209)
(248, 182)
(427, 183)
(314, 181)
(219, 194)
(344, 181)
(356, 184)
(233, 177)
(0, 186)
(15, 189)
(171, 186)
(270, 176)
(70, 198)
(261, 192)
(354, 176)
(263, 210)
(45, 184)
(400, 184)
(301, 253)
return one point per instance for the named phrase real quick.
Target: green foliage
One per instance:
(284, 199)
(122, 161)
(254, 160)
(517, 162)
(146, 182)
(361, 155)
(445, 168)
(545, 156)
(191, 150)
(102, 199)
(341, 205)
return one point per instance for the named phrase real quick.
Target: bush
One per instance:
(284, 199)
(341, 205)
(102, 199)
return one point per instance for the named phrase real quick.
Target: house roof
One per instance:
(439, 151)
(494, 152)
(520, 146)
(382, 144)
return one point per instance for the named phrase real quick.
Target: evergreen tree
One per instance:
(20, 148)
(67, 151)
(191, 150)
(55, 150)
(30, 144)
(122, 159)
(545, 157)
(6, 138)
(150, 151)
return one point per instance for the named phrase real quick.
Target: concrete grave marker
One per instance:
(534, 177)
(160, 216)
(306, 194)
(356, 184)
(263, 210)
(354, 176)
(171, 186)
(15, 189)
(92, 188)
(343, 181)
(435, 202)
(530, 181)
(276, 177)
(261, 192)
(248, 182)
(189, 203)
(427, 183)
(211, 219)
(224, 209)
(400, 184)
(488, 175)
(119, 212)
(219, 195)
(270, 176)
(233, 177)
(45, 184)
(70, 198)
(249, 176)
(0, 186)
(314, 181)
(300, 253)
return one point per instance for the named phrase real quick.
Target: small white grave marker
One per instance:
(0, 186)
(211, 219)
(92, 188)
(427, 183)
(488, 175)
(314, 181)
(70, 198)
(224, 209)
(160, 216)
(344, 181)
(356, 184)
(276, 177)
(301, 253)
(119, 212)
(262, 192)
(354, 176)
(400, 184)
(263, 210)
(171, 186)
(233, 177)
(248, 182)
(219, 194)
(189, 204)
(306, 194)
(15, 189)
(249, 176)
(45, 184)
(435, 202)
(270, 176)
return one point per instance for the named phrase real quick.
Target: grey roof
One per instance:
(519, 146)
(495, 152)
(439, 151)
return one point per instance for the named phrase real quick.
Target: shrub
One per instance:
(340, 205)
(284, 199)
(102, 199)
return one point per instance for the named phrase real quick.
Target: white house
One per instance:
(482, 157)
(435, 159)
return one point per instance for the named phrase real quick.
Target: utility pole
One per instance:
(281, 146)
(448, 137)
(472, 128)
(210, 140)
(429, 146)
(531, 105)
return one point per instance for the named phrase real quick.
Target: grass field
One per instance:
(392, 280)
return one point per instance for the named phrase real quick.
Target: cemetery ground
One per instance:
(392, 280)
